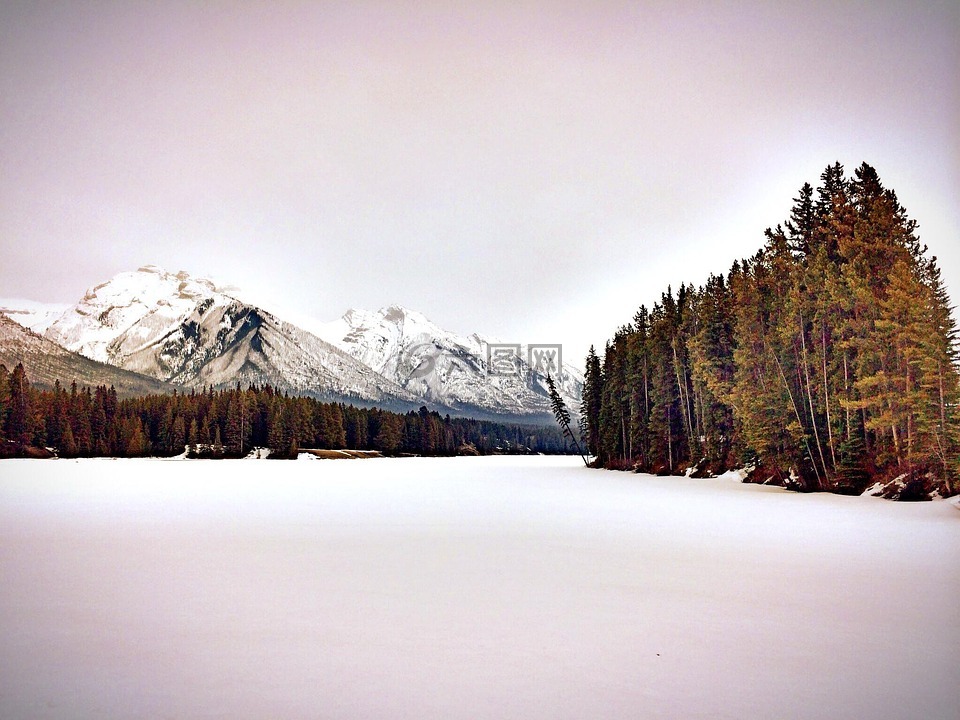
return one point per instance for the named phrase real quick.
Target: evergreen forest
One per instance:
(826, 361)
(85, 422)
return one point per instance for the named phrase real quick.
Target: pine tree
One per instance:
(178, 435)
(711, 346)
(562, 415)
(19, 421)
(237, 426)
(4, 399)
(940, 377)
(802, 223)
(637, 377)
(764, 409)
(387, 436)
(68, 446)
(590, 401)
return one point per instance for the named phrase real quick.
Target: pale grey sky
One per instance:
(533, 170)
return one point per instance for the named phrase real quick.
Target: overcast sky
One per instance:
(534, 171)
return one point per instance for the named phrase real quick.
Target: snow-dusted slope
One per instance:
(36, 316)
(122, 316)
(188, 331)
(46, 362)
(442, 367)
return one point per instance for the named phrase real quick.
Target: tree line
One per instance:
(94, 422)
(827, 360)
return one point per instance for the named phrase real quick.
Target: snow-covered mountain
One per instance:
(192, 332)
(189, 332)
(448, 369)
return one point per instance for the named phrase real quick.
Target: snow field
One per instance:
(465, 588)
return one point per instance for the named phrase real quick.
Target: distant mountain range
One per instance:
(169, 330)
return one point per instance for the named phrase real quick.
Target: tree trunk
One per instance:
(846, 390)
(796, 411)
(681, 386)
(826, 396)
(669, 440)
(813, 416)
(941, 439)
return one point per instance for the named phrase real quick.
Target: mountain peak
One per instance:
(440, 366)
(403, 317)
(133, 304)
(393, 313)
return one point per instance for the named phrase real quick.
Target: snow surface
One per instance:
(465, 588)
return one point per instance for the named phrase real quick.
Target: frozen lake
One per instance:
(465, 588)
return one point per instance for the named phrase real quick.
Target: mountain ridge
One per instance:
(179, 329)
(192, 332)
(444, 367)
(45, 362)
